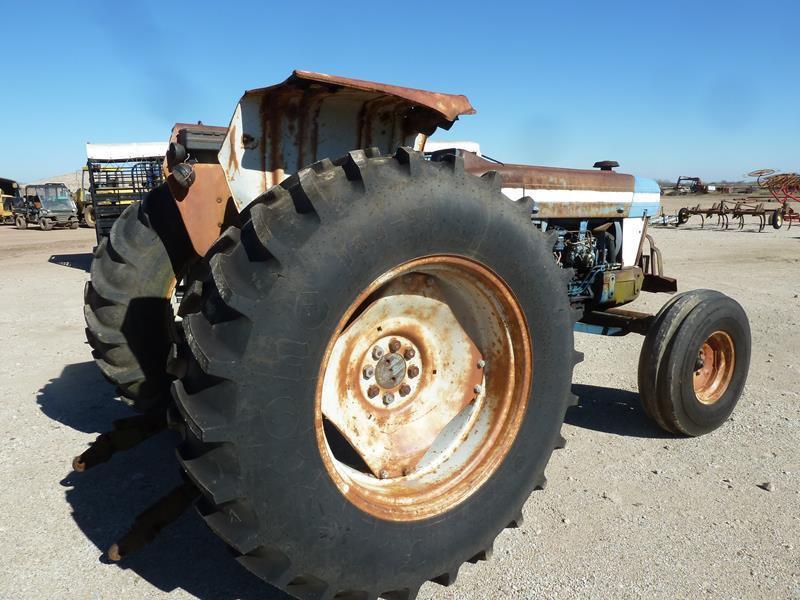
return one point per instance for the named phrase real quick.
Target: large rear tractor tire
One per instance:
(380, 365)
(694, 362)
(130, 323)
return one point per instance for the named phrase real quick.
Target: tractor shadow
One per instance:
(81, 261)
(612, 410)
(104, 501)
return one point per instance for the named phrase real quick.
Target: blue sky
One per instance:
(666, 88)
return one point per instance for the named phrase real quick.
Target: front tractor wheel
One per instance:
(694, 362)
(376, 378)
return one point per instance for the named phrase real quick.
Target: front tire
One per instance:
(262, 326)
(694, 362)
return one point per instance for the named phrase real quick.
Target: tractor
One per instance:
(372, 358)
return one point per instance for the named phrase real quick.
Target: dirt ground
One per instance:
(629, 511)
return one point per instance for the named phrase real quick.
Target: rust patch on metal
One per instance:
(203, 205)
(450, 106)
(716, 362)
(233, 161)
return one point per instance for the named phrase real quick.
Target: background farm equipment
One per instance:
(47, 205)
(9, 196)
(690, 185)
(120, 174)
(375, 352)
(783, 190)
(737, 210)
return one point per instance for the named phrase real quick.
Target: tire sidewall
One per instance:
(692, 416)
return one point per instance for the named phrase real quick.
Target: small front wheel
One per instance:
(694, 362)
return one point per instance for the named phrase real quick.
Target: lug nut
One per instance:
(377, 352)
(368, 372)
(409, 353)
(405, 390)
(384, 474)
(388, 398)
(478, 389)
(394, 345)
(373, 391)
(481, 363)
(413, 371)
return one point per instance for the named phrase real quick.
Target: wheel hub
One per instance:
(390, 371)
(423, 387)
(714, 367)
(390, 397)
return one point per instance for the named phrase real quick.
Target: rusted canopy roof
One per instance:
(280, 129)
(450, 106)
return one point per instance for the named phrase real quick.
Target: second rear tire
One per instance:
(130, 322)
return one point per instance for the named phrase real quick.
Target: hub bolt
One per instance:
(394, 345)
(377, 352)
(481, 363)
(388, 398)
(478, 389)
(405, 390)
(373, 391)
(384, 474)
(413, 371)
(409, 353)
(368, 372)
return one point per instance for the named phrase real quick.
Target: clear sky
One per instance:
(667, 88)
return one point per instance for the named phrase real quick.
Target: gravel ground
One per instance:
(628, 512)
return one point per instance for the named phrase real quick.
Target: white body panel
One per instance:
(126, 151)
(632, 230)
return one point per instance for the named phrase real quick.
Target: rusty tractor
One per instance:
(374, 350)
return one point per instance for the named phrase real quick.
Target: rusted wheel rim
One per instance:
(423, 387)
(714, 367)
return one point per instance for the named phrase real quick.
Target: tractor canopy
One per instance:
(276, 131)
